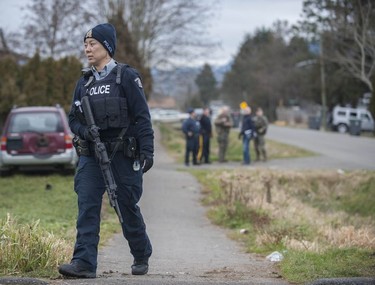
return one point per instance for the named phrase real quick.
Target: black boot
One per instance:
(74, 269)
(140, 267)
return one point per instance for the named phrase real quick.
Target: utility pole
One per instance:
(323, 85)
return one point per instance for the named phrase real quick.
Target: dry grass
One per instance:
(25, 248)
(302, 198)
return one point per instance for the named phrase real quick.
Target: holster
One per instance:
(81, 146)
(128, 146)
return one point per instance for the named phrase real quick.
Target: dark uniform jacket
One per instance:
(190, 126)
(115, 106)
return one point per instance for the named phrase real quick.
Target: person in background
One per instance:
(247, 133)
(205, 135)
(223, 124)
(261, 125)
(190, 128)
(121, 114)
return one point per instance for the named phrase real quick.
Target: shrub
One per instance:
(25, 248)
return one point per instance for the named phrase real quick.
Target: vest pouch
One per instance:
(124, 119)
(98, 104)
(116, 112)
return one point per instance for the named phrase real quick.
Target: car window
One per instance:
(365, 117)
(36, 122)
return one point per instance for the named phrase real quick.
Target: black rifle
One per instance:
(102, 157)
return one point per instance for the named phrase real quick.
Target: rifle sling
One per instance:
(119, 140)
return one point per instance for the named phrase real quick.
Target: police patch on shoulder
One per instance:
(139, 82)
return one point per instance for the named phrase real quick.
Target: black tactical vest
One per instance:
(108, 103)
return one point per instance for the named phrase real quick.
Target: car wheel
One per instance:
(6, 173)
(342, 128)
(68, 171)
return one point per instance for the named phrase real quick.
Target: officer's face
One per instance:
(96, 54)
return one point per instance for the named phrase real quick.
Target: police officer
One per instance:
(190, 128)
(121, 112)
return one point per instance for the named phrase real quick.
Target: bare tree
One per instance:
(349, 30)
(166, 31)
(3, 42)
(356, 44)
(53, 28)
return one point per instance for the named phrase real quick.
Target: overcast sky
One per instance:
(234, 19)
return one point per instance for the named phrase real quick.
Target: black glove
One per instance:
(239, 136)
(146, 162)
(91, 133)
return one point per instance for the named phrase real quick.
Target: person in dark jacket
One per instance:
(205, 135)
(121, 113)
(190, 128)
(247, 133)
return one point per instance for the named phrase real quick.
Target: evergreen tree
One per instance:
(206, 83)
(66, 73)
(266, 72)
(9, 88)
(34, 82)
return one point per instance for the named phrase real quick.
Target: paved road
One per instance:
(335, 150)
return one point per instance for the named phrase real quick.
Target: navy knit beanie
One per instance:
(106, 35)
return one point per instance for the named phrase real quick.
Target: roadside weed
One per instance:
(303, 214)
(26, 248)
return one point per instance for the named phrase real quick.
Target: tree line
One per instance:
(41, 61)
(327, 58)
(37, 82)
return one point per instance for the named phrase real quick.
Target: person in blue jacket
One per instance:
(190, 128)
(121, 112)
(247, 133)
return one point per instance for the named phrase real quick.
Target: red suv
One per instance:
(37, 138)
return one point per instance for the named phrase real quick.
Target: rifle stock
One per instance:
(102, 157)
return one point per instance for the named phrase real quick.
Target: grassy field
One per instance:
(323, 222)
(37, 223)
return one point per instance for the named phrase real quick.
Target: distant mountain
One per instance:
(220, 70)
(180, 81)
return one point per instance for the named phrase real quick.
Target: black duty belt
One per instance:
(128, 146)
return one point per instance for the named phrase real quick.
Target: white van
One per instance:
(341, 117)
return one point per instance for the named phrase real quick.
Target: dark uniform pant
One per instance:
(192, 145)
(89, 186)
